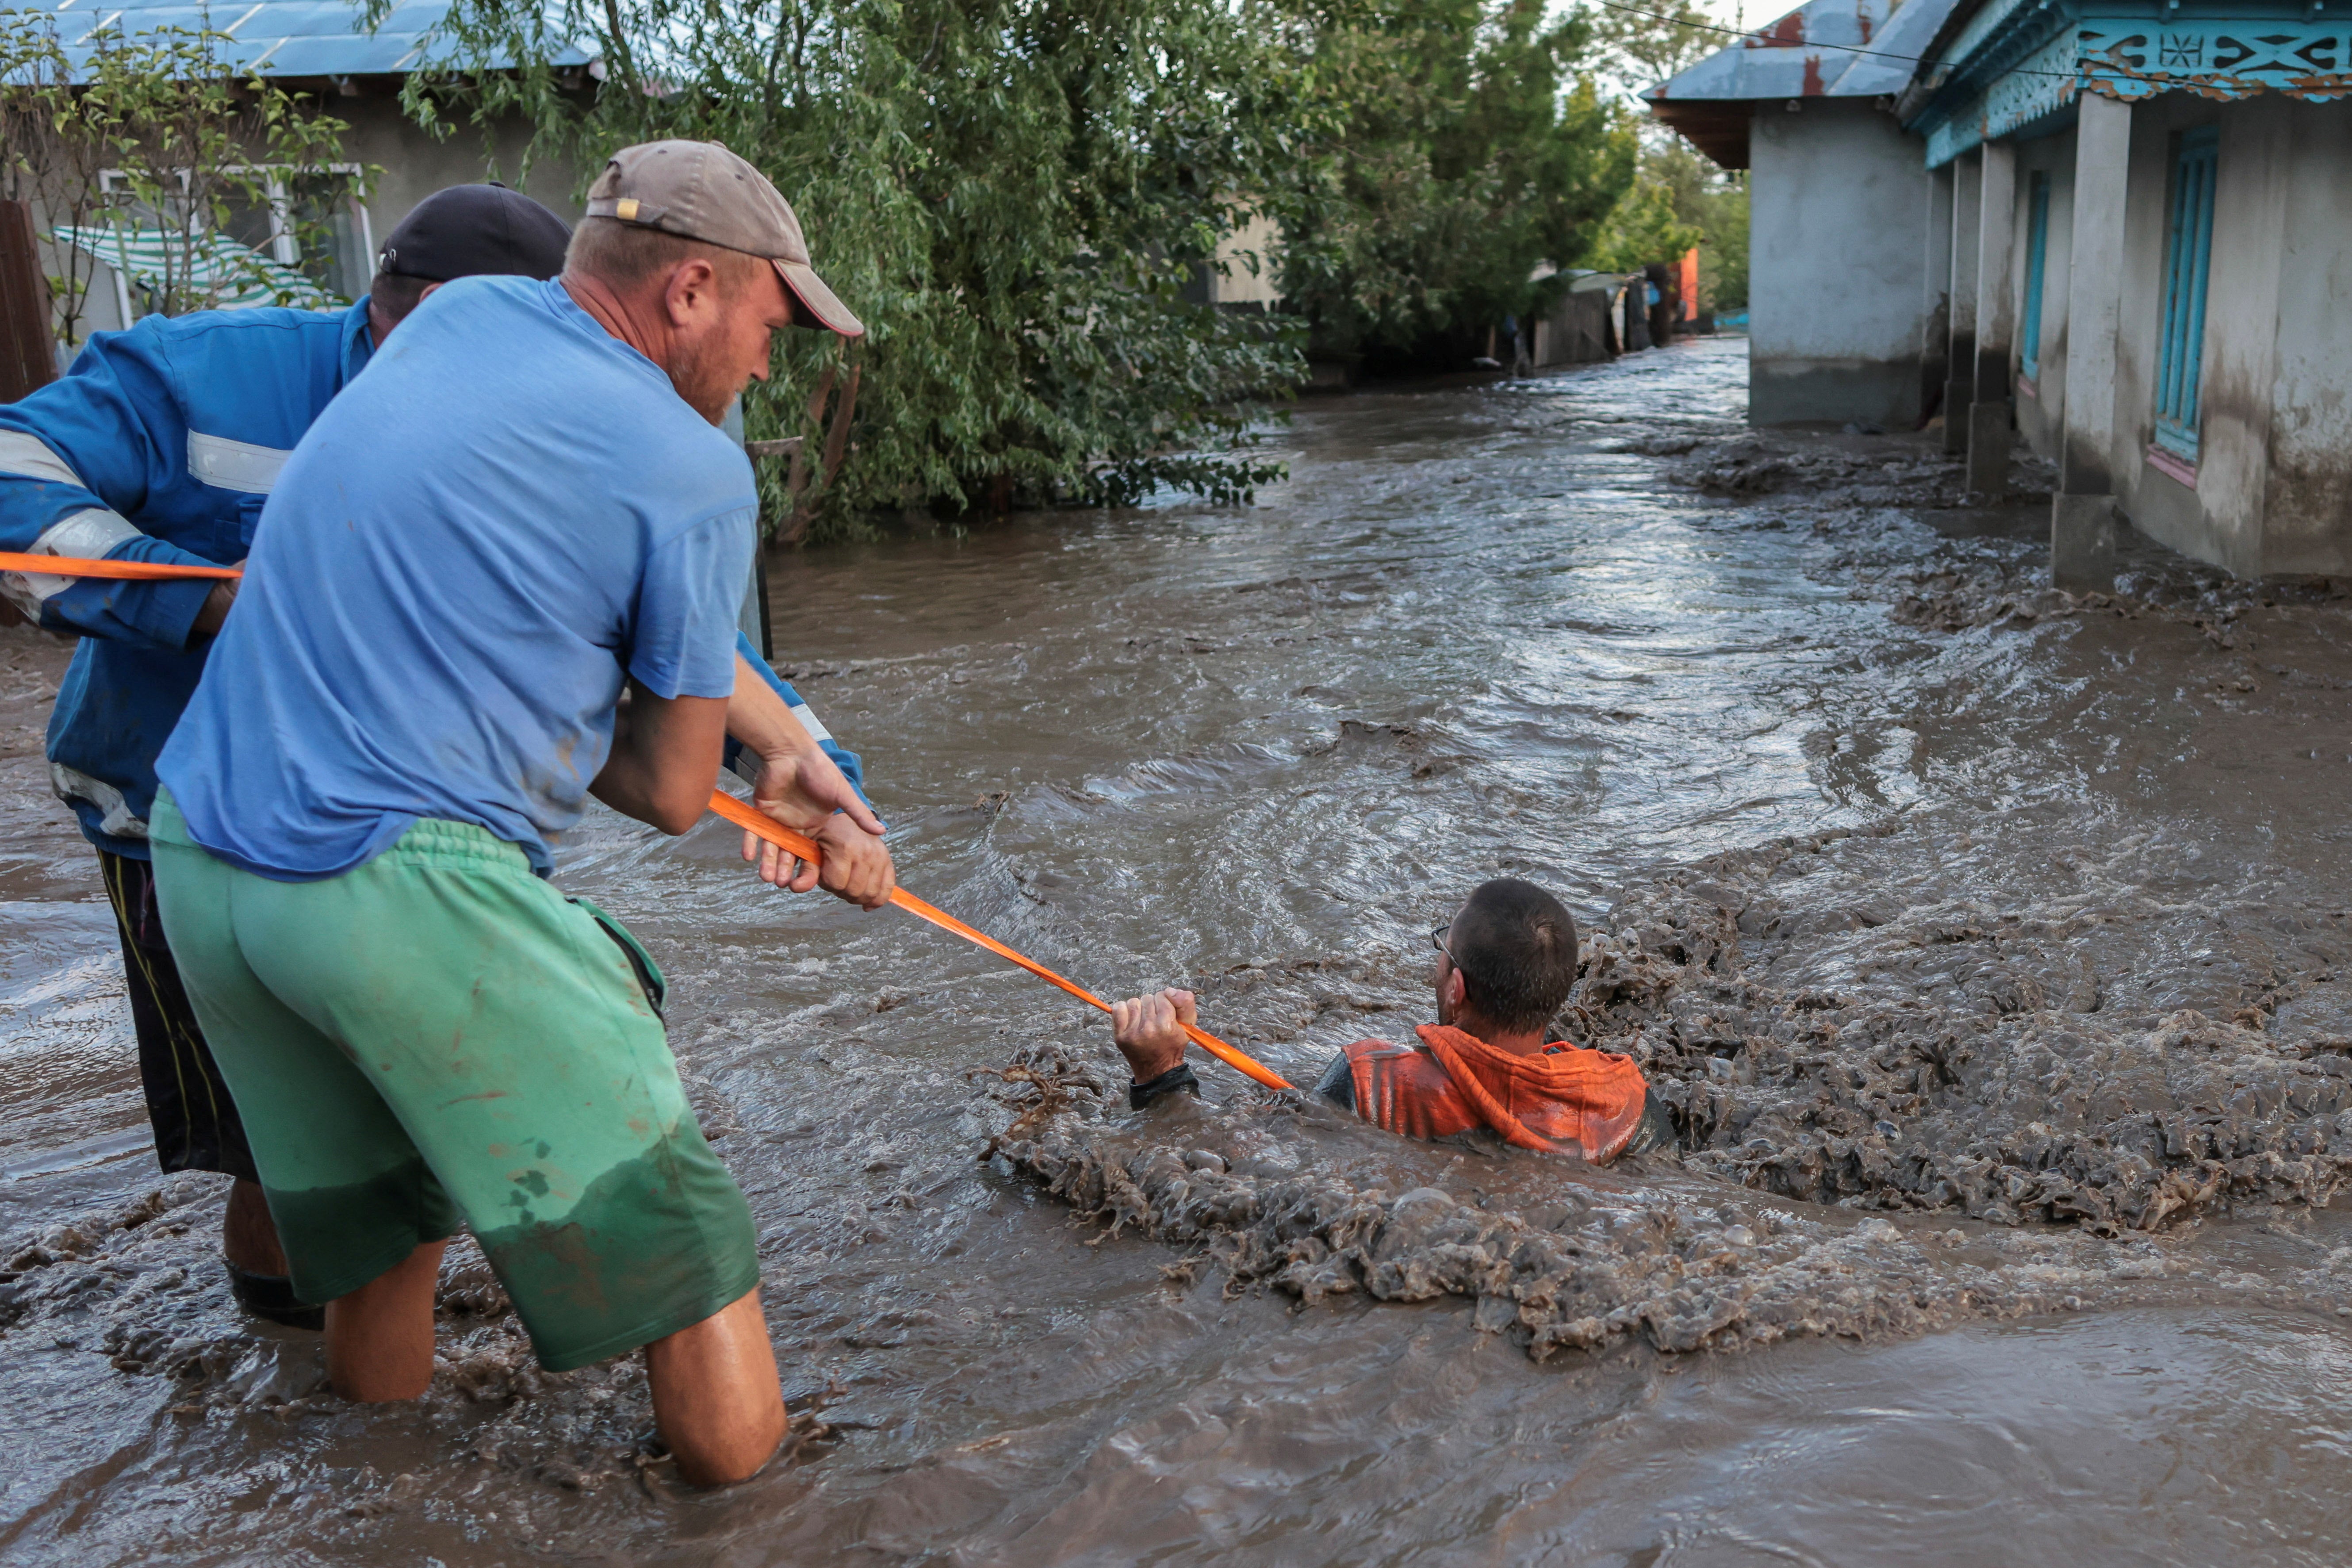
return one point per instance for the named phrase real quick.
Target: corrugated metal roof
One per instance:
(1826, 48)
(285, 38)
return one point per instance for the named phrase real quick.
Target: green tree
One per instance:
(1723, 246)
(145, 148)
(1014, 197)
(1451, 147)
(1682, 199)
(1643, 228)
(1642, 44)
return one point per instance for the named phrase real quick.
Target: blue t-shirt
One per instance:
(508, 512)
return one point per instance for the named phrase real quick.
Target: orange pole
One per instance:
(1690, 284)
(745, 817)
(725, 805)
(126, 571)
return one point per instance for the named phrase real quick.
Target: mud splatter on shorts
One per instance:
(439, 1037)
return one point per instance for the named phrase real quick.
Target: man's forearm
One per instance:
(760, 719)
(664, 759)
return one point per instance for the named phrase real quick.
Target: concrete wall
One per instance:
(413, 166)
(1252, 245)
(2307, 499)
(1936, 292)
(2272, 489)
(1837, 207)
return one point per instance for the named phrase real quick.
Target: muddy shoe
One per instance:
(271, 1296)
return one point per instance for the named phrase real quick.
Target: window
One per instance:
(2037, 251)
(313, 223)
(2188, 258)
(305, 242)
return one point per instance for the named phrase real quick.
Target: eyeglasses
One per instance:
(1437, 940)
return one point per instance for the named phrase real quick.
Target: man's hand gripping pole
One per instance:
(743, 816)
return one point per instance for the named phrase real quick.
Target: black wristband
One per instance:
(1177, 1079)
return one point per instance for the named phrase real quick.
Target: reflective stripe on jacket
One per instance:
(160, 444)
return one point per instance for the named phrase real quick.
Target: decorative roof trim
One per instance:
(2015, 64)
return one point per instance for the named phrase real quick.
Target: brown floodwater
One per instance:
(1989, 948)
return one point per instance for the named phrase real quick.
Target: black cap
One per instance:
(470, 230)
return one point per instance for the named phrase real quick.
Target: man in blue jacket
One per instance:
(161, 445)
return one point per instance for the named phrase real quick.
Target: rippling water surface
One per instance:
(1476, 632)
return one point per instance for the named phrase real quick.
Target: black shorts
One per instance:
(195, 1122)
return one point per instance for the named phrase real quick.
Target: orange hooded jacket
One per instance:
(1569, 1100)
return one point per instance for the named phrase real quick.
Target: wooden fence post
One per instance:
(28, 355)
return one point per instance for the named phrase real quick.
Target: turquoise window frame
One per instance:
(2187, 268)
(2037, 256)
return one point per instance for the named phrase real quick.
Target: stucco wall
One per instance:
(1837, 205)
(2272, 484)
(2242, 313)
(2307, 502)
(415, 165)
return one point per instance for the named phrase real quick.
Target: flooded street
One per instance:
(1993, 951)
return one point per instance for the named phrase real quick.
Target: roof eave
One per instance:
(1717, 127)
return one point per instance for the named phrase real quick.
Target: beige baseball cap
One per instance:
(699, 190)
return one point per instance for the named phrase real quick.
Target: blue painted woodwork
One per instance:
(2188, 256)
(2037, 252)
(2019, 66)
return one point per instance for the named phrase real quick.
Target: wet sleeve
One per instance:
(77, 460)
(689, 593)
(1177, 1079)
(852, 767)
(1655, 1130)
(1338, 1084)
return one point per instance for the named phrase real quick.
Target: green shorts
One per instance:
(438, 1035)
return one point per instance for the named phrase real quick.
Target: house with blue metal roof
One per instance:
(2138, 219)
(326, 47)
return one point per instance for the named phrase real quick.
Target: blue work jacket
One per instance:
(161, 443)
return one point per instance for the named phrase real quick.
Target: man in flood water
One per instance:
(1506, 963)
(501, 573)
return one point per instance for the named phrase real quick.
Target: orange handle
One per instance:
(129, 570)
(744, 817)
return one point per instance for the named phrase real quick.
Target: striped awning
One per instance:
(210, 267)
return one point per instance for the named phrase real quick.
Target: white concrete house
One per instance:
(2139, 213)
(2159, 201)
(1838, 196)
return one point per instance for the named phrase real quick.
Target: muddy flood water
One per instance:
(1992, 948)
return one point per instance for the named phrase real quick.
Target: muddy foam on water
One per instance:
(1984, 942)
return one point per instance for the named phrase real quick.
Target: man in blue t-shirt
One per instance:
(499, 575)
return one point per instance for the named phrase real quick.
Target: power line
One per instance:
(1742, 33)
